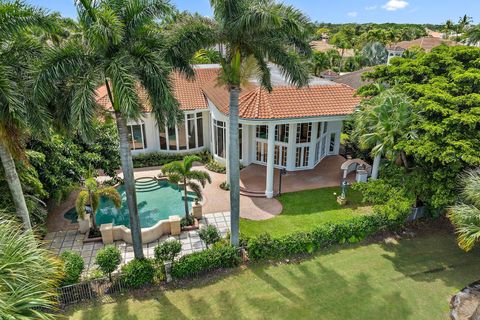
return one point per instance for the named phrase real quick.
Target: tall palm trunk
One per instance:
(376, 166)
(234, 166)
(186, 196)
(404, 159)
(127, 168)
(15, 186)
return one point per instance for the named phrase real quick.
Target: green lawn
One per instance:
(413, 279)
(304, 210)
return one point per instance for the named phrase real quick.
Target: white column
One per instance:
(270, 161)
(292, 138)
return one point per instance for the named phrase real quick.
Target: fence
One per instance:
(98, 290)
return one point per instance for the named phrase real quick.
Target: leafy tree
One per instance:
(473, 35)
(90, 194)
(167, 250)
(266, 32)
(375, 53)
(443, 86)
(29, 275)
(206, 56)
(464, 22)
(465, 215)
(73, 266)
(448, 28)
(209, 235)
(123, 47)
(319, 62)
(384, 125)
(18, 115)
(181, 171)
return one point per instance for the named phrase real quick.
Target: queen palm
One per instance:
(18, 116)
(126, 49)
(266, 31)
(465, 215)
(90, 194)
(181, 171)
(381, 123)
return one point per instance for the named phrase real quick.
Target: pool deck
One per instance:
(60, 241)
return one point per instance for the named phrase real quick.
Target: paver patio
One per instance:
(61, 241)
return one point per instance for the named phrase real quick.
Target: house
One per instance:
(426, 43)
(324, 46)
(291, 128)
(354, 79)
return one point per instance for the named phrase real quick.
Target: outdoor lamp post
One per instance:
(282, 173)
(344, 188)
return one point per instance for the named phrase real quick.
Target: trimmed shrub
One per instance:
(215, 258)
(73, 266)
(265, 247)
(138, 273)
(215, 166)
(108, 260)
(168, 250)
(158, 159)
(209, 235)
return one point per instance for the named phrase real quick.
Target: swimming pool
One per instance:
(156, 200)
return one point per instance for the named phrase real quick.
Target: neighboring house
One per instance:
(426, 43)
(324, 46)
(354, 79)
(288, 128)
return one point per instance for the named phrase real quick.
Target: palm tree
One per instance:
(465, 215)
(266, 31)
(382, 122)
(319, 62)
(448, 28)
(375, 52)
(18, 115)
(29, 275)
(473, 35)
(91, 194)
(125, 48)
(463, 23)
(181, 171)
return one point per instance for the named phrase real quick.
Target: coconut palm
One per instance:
(465, 215)
(126, 47)
(18, 115)
(29, 275)
(381, 123)
(268, 32)
(91, 194)
(181, 171)
(448, 28)
(319, 63)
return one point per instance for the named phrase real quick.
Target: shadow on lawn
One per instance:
(426, 258)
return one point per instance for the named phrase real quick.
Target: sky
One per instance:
(337, 11)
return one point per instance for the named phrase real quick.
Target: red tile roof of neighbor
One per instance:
(427, 43)
(322, 98)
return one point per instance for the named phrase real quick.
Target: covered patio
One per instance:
(326, 174)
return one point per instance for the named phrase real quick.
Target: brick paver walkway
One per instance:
(61, 241)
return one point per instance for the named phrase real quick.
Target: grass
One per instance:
(304, 210)
(410, 279)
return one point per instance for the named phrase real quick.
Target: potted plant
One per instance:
(88, 200)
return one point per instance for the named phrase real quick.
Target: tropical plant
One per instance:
(382, 123)
(465, 215)
(108, 259)
(264, 31)
(209, 235)
(463, 23)
(181, 171)
(319, 62)
(448, 28)
(473, 35)
(90, 195)
(206, 56)
(375, 53)
(29, 275)
(126, 47)
(18, 115)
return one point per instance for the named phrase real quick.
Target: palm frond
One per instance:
(195, 187)
(466, 219)
(201, 176)
(112, 194)
(189, 160)
(82, 200)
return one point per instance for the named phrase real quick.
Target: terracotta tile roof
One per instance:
(324, 46)
(354, 79)
(427, 43)
(188, 92)
(287, 102)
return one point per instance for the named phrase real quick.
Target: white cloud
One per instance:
(352, 14)
(394, 5)
(369, 8)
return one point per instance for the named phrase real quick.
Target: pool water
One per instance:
(156, 200)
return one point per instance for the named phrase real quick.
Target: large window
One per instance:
(219, 134)
(183, 136)
(262, 132)
(137, 137)
(302, 156)
(281, 133)
(304, 132)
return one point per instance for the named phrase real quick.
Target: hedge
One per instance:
(217, 257)
(265, 247)
(158, 159)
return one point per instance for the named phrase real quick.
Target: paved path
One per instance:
(58, 242)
